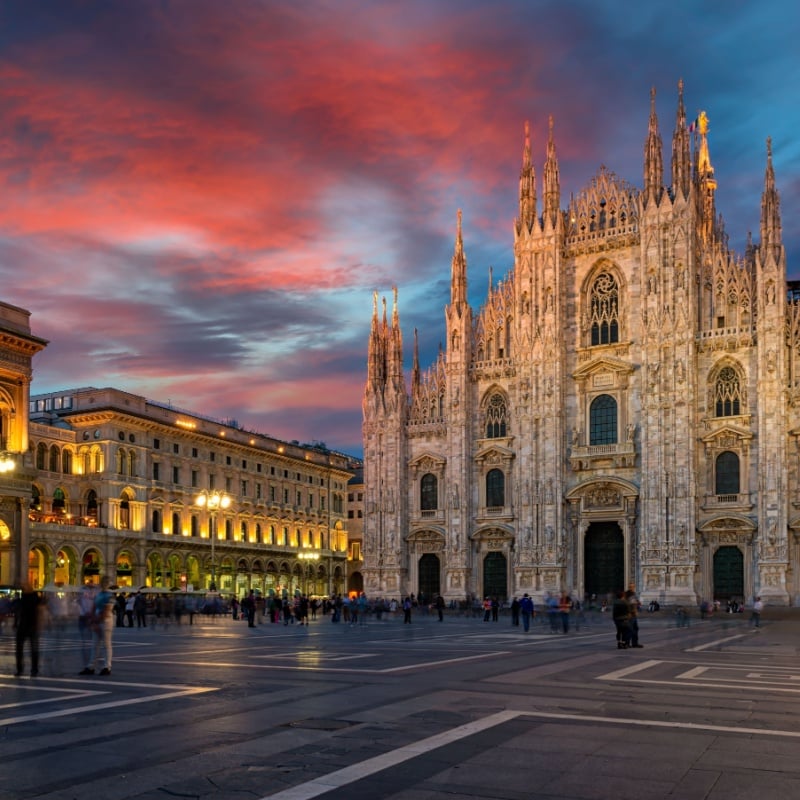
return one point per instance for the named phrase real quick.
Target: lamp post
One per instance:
(213, 501)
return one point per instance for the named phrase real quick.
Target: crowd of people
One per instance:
(99, 610)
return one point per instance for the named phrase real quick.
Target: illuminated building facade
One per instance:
(624, 408)
(114, 488)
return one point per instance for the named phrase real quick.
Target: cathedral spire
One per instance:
(707, 184)
(527, 186)
(552, 188)
(376, 363)
(681, 163)
(771, 240)
(458, 271)
(396, 339)
(415, 367)
(653, 157)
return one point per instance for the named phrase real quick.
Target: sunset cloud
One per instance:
(197, 199)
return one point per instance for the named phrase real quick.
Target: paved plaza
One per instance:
(427, 711)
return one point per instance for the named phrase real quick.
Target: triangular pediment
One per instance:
(727, 522)
(602, 364)
(494, 454)
(428, 461)
(727, 435)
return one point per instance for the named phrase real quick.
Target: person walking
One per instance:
(564, 609)
(515, 604)
(633, 622)
(407, 611)
(130, 604)
(27, 620)
(755, 617)
(102, 630)
(526, 611)
(140, 608)
(85, 613)
(440, 607)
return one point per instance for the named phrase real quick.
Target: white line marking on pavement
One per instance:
(692, 673)
(623, 673)
(181, 691)
(363, 769)
(714, 643)
(323, 667)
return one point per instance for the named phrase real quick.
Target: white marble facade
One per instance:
(623, 409)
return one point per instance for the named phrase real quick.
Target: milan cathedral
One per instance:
(623, 409)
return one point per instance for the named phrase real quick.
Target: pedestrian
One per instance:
(755, 617)
(85, 612)
(362, 604)
(102, 630)
(487, 609)
(495, 608)
(140, 608)
(130, 603)
(564, 608)
(440, 607)
(303, 610)
(633, 622)
(119, 609)
(407, 611)
(552, 612)
(249, 609)
(620, 613)
(526, 610)
(515, 604)
(26, 615)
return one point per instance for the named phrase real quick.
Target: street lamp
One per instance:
(214, 501)
(7, 462)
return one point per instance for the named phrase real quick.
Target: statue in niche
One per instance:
(772, 531)
(576, 437)
(630, 431)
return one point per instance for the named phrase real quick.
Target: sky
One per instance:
(199, 198)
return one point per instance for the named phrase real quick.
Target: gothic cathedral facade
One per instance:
(623, 409)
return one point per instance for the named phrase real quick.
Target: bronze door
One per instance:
(604, 559)
(429, 576)
(495, 575)
(728, 573)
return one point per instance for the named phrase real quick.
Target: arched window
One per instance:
(59, 502)
(495, 488)
(124, 514)
(243, 531)
(55, 459)
(41, 455)
(603, 420)
(604, 309)
(176, 523)
(258, 532)
(156, 521)
(727, 393)
(121, 461)
(195, 525)
(132, 463)
(429, 492)
(496, 417)
(91, 504)
(66, 461)
(727, 473)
